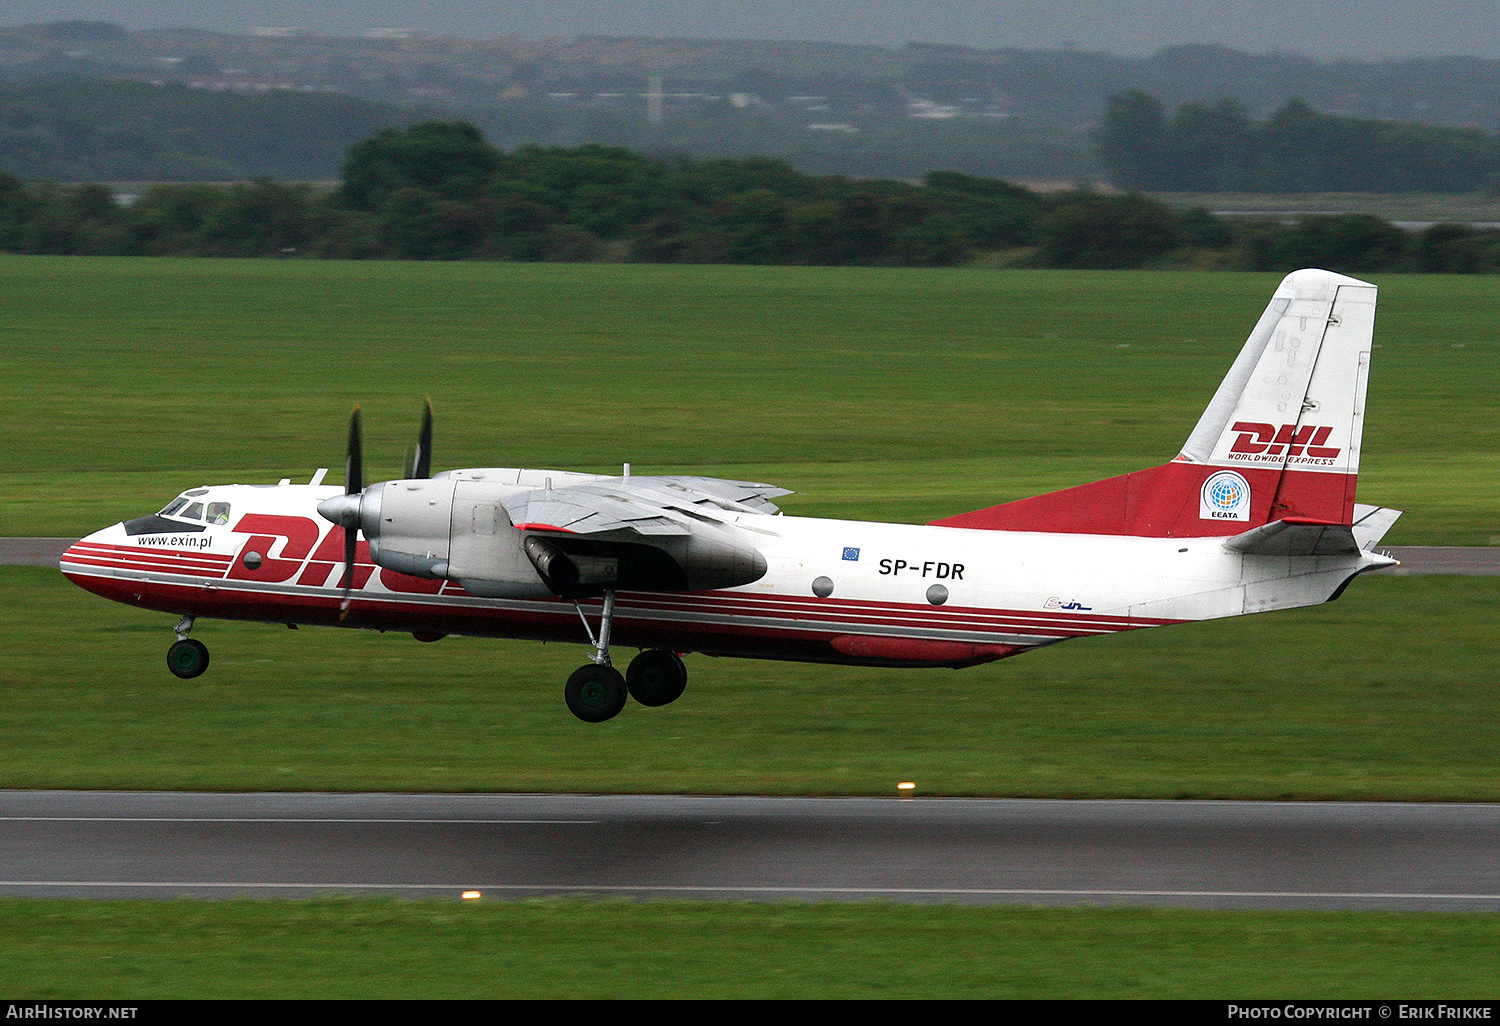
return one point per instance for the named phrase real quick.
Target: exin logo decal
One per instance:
(1225, 496)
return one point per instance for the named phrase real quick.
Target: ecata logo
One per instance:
(1225, 496)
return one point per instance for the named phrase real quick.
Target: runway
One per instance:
(1415, 559)
(1185, 854)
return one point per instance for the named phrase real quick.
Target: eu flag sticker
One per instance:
(852, 555)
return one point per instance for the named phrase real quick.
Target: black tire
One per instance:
(595, 693)
(656, 677)
(187, 658)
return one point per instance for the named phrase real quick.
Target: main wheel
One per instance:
(187, 658)
(656, 677)
(595, 693)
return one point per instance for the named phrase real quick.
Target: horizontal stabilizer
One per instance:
(1296, 537)
(1371, 523)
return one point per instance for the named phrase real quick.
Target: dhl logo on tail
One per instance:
(1289, 439)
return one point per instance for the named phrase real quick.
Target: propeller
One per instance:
(354, 485)
(345, 510)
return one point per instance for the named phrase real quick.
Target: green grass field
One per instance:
(601, 949)
(883, 394)
(1391, 692)
(876, 393)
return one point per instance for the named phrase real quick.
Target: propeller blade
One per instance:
(351, 540)
(422, 462)
(354, 484)
(354, 471)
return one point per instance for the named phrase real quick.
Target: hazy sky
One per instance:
(1319, 28)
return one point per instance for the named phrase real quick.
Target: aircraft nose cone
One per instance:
(71, 553)
(83, 550)
(91, 563)
(341, 509)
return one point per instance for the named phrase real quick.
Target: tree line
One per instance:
(439, 191)
(80, 130)
(1219, 148)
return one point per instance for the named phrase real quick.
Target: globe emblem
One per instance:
(1225, 493)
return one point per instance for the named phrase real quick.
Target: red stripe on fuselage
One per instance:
(729, 623)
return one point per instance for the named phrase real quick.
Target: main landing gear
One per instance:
(596, 692)
(187, 658)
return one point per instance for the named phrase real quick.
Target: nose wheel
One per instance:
(187, 658)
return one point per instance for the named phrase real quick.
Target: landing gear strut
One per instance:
(187, 658)
(596, 692)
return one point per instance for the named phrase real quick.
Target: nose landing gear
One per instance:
(187, 658)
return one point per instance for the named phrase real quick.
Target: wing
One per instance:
(643, 533)
(643, 505)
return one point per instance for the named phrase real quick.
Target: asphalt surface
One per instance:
(1164, 854)
(1415, 559)
(1445, 559)
(32, 551)
(1151, 853)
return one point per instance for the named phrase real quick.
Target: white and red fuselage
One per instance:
(1256, 513)
(895, 593)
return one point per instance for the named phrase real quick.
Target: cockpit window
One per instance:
(218, 512)
(193, 512)
(173, 506)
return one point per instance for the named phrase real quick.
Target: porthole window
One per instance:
(823, 587)
(937, 594)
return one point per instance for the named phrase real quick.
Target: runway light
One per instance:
(470, 895)
(906, 785)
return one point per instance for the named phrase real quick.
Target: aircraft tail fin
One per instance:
(1280, 439)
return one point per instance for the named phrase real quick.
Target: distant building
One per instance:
(930, 109)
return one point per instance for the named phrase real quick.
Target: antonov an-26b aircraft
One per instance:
(1256, 513)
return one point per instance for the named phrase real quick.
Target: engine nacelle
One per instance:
(407, 524)
(584, 564)
(458, 529)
